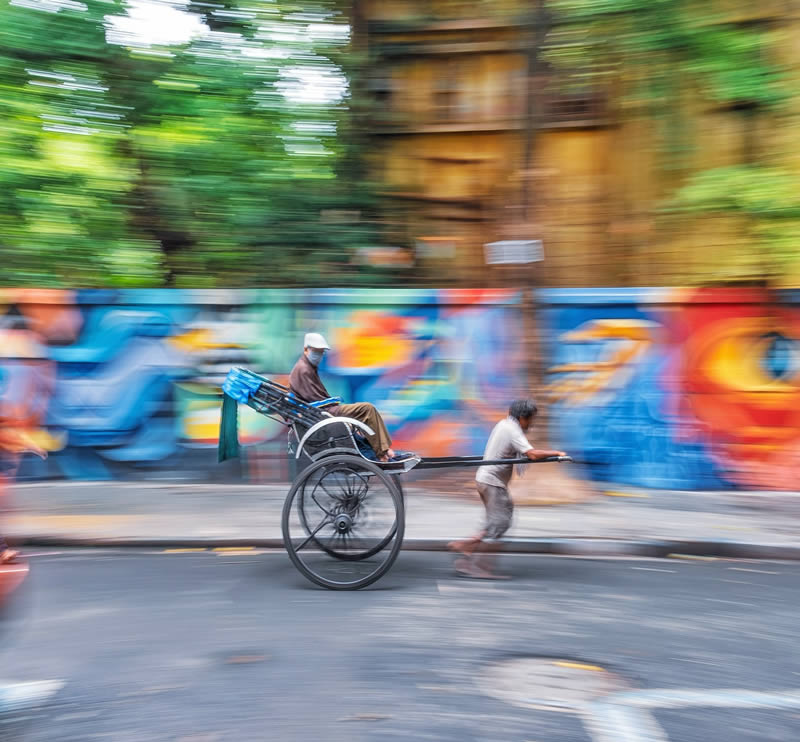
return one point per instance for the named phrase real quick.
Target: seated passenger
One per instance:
(304, 381)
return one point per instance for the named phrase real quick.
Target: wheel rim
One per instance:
(346, 509)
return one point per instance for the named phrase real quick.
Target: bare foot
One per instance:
(486, 563)
(465, 546)
(7, 556)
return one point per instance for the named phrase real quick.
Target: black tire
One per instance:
(345, 489)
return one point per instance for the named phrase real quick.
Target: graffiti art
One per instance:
(685, 389)
(122, 383)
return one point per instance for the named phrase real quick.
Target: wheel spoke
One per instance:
(348, 483)
(363, 489)
(325, 490)
(314, 533)
(327, 512)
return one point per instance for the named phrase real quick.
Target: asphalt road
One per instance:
(201, 647)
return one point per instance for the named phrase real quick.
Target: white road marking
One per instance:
(652, 569)
(24, 696)
(731, 602)
(611, 722)
(31, 554)
(468, 586)
(626, 717)
(668, 698)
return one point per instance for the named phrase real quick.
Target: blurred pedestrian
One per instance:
(507, 441)
(13, 443)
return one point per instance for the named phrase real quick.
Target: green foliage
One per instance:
(663, 47)
(731, 63)
(767, 199)
(749, 190)
(188, 147)
(669, 55)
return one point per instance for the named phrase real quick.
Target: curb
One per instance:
(554, 546)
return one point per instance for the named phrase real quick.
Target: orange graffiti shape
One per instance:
(374, 340)
(628, 340)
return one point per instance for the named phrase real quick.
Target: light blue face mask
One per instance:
(315, 356)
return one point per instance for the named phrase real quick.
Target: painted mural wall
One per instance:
(684, 389)
(126, 383)
(674, 388)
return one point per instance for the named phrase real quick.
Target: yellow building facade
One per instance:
(465, 163)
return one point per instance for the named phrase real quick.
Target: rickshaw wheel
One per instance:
(347, 508)
(350, 554)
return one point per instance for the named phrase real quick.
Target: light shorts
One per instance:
(499, 509)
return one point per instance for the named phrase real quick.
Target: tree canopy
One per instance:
(163, 142)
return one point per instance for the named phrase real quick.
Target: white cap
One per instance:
(315, 340)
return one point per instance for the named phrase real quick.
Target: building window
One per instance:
(380, 86)
(447, 93)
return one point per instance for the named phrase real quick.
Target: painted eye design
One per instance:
(743, 355)
(781, 356)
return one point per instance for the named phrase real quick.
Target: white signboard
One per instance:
(514, 251)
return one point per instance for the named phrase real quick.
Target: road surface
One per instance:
(235, 645)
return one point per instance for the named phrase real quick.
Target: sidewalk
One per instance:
(614, 520)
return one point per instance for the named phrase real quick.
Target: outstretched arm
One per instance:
(523, 447)
(535, 454)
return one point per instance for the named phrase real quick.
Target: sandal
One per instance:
(473, 572)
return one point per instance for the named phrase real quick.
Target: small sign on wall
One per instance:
(437, 248)
(514, 252)
(385, 257)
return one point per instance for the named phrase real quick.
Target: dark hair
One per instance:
(522, 408)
